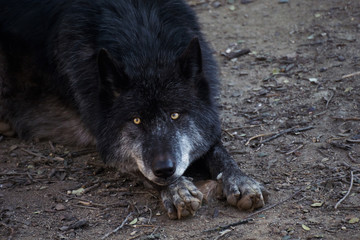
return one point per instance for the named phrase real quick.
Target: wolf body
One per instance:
(136, 78)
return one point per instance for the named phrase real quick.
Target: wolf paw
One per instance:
(181, 198)
(243, 192)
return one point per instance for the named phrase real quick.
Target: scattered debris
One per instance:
(236, 53)
(79, 224)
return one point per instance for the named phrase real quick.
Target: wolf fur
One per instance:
(115, 73)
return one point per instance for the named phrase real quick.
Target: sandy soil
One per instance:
(291, 119)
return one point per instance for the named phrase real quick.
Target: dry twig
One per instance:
(276, 135)
(248, 218)
(258, 136)
(348, 192)
(353, 140)
(292, 151)
(119, 227)
(274, 205)
(32, 153)
(328, 101)
(347, 119)
(350, 75)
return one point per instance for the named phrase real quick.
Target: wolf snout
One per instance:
(163, 166)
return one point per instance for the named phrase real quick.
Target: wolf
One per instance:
(136, 78)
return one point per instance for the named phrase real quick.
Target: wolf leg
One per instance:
(45, 119)
(181, 198)
(6, 130)
(239, 189)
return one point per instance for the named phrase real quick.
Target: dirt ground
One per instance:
(291, 119)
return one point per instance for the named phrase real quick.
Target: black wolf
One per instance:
(134, 77)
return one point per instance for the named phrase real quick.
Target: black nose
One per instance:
(163, 168)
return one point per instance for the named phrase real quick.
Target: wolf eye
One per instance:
(174, 116)
(137, 121)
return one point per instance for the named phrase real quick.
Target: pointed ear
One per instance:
(112, 74)
(190, 61)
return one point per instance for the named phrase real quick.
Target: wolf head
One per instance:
(156, 120)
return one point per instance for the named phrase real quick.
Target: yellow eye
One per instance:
(174, 116)
(137, 121)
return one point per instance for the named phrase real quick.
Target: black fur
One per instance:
(81, 71)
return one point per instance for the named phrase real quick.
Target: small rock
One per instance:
(216, 4)
(237, 53)
(313, 80)
(60, 207)
(236, 94)
(283, 1)
(341, 58)
(323, 69)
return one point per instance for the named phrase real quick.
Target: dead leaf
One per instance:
(306, 228)
(133, 221)
(318, 204)
(354, 220)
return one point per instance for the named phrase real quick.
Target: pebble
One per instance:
(60, 207)
(341, 58)
(216, 4)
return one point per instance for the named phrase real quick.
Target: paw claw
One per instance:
(181, 199)
(244, 192)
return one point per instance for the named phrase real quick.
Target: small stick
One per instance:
(243, 127)
(289, 130)
(328, 101)
(351, 157)
(292, 151)
(91, 187)
(32, 153)
(119, 227)
(257, 136)
(274, 205)
(350, 75)
(353, 140)
(347, 119)
(348, 192)
(150, 216)
(219, 228)
(248, 218)
(228, 133)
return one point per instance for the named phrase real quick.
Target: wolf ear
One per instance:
(112, 75)
(190, 61)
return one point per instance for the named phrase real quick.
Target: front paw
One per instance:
(181, 198)
(242, 191)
